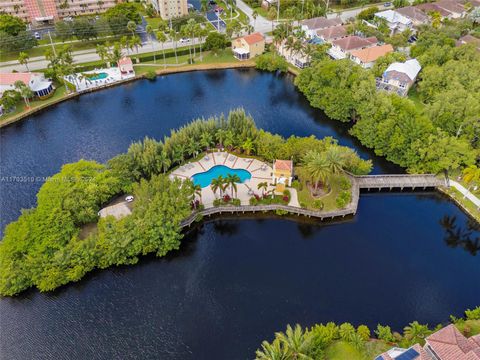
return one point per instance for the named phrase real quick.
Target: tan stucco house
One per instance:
(249, 46)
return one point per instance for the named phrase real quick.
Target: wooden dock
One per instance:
(380, 182)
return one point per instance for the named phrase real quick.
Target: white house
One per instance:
(396, 22)
(40, 86)
(399, 77)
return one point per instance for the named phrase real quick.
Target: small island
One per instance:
(81, 221)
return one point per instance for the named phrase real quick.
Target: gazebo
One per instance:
(282, 174)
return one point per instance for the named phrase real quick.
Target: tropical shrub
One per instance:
(271, 62)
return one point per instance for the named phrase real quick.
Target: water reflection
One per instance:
(459, 236)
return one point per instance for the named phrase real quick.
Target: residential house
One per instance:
(298, 59)
(416, 15)
(366, 57)
(282, 174)
(126, 66)
(445, 344)
(469, 39)
(455, 8)
(396, 22)
(40, 86)
(249, 46)
(428, 8)
(332, 33)
(341, 48)
(399, 77)
(311, 26)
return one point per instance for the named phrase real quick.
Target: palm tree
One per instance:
(415, 331)
(262, 186)
(471, 176)
(275, 351)
(163, 161)
(217, 184)
(254, 16)
(204, 6)
(174, 37)
(249, 29)
(297, 342)
(102, 52)
(247, 146)
(336, 159)
(206, 140)
(161, 37)
(220, 135)
(229, 139)
(132, 26)
(232, 180)
(317, 167)
(150, 32)
(24, 91)
(23, 59)
(192, 149)
(135, 42)
(197, 190)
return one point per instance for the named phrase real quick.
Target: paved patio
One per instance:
(261, 172)
(82, 82)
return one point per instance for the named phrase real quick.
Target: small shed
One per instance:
(282, 174)
(126, 66)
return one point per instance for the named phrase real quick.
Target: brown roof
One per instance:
(428, 7)
(319, 23)
(449, 344)
(253, 38)
(451, 6)
(333, 32)
(413, 14)
(354, 42)
(283, 165)
(469, 39)
(370, 54)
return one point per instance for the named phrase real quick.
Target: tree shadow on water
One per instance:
(465, 237)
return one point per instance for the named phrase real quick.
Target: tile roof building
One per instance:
(399, 77)
(249, 46)
(332, 33)
(445, 344)
(416, 15)
(40, 86)
(367, 57)
(342, 47)
(311, 26)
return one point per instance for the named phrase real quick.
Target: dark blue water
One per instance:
(404, 257)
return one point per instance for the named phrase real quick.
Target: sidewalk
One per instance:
(465, 193)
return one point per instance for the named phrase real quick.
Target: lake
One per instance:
(235, 281)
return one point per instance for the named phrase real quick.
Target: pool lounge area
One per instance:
(205, 178)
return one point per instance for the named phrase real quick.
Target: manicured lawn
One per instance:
(341, 350)
(155, 21)
(59, 93)
(329, 200)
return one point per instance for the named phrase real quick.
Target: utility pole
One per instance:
(278, 11)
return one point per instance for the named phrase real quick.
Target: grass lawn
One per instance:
(329, 200)
(472, 209)
(414, 96)
(154, 22)
(341, 350)
(59, 93)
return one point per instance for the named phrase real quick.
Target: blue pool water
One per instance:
(98, 76)
(204, 179)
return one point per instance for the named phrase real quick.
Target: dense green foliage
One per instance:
(299, 343)
(14, 35)
(271, 62)
(442, 135)
(48, 246)
(215, 41)
(11, 25)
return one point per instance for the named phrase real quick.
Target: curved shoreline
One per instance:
(165, 71)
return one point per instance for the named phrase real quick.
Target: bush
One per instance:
(215, 41)
(384, 333)
(217, 202)
(236, 202)
(345, 183)
(281, 212)
(271, 62)
(364, 332)
(343, 199)
(286, 198)
(473, 314)
(286, 192)
(318, 204)
(253, 201)
(151, 75)
(367, 14)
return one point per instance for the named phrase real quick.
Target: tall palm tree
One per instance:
(262, 186)
(217, 184)
(247, 146)
(132, 26)
(317, 167)
(206, 140)
(254, 16)
(163, 161)
(197, 190)
(102, 52)
(161, 37)
(220, 135)
(275, 351)
(229, 139)
(415, 330)
(232, 180)
(298, 342)
(336, 159)
(150, 33)
(24, 91)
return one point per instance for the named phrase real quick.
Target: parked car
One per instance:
(37, 35)
(184, 40)
(387, 4)
(129, 198)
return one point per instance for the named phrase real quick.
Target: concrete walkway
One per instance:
(262, 25)
(465, 193)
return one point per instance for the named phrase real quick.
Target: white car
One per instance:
(37, 35)
(129, 198)
(184, 40)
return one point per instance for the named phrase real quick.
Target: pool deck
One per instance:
(260, 171)
(82, 83)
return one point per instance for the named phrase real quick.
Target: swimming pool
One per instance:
(204, 179)
(97, 76)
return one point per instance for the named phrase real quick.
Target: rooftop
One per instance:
(283, 165)
(372, 53)
(354, 42)
(321, 23)
(333, 32)
(393, 17)
(253, 38)
(410, 67)
(413, 13)
(449, 344)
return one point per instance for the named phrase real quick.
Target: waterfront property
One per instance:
(311, 26)
(249, 46)
(282, 174)
(399, 77)
(41, 87)
(445, 344)
(100, 77)
(341, 48)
